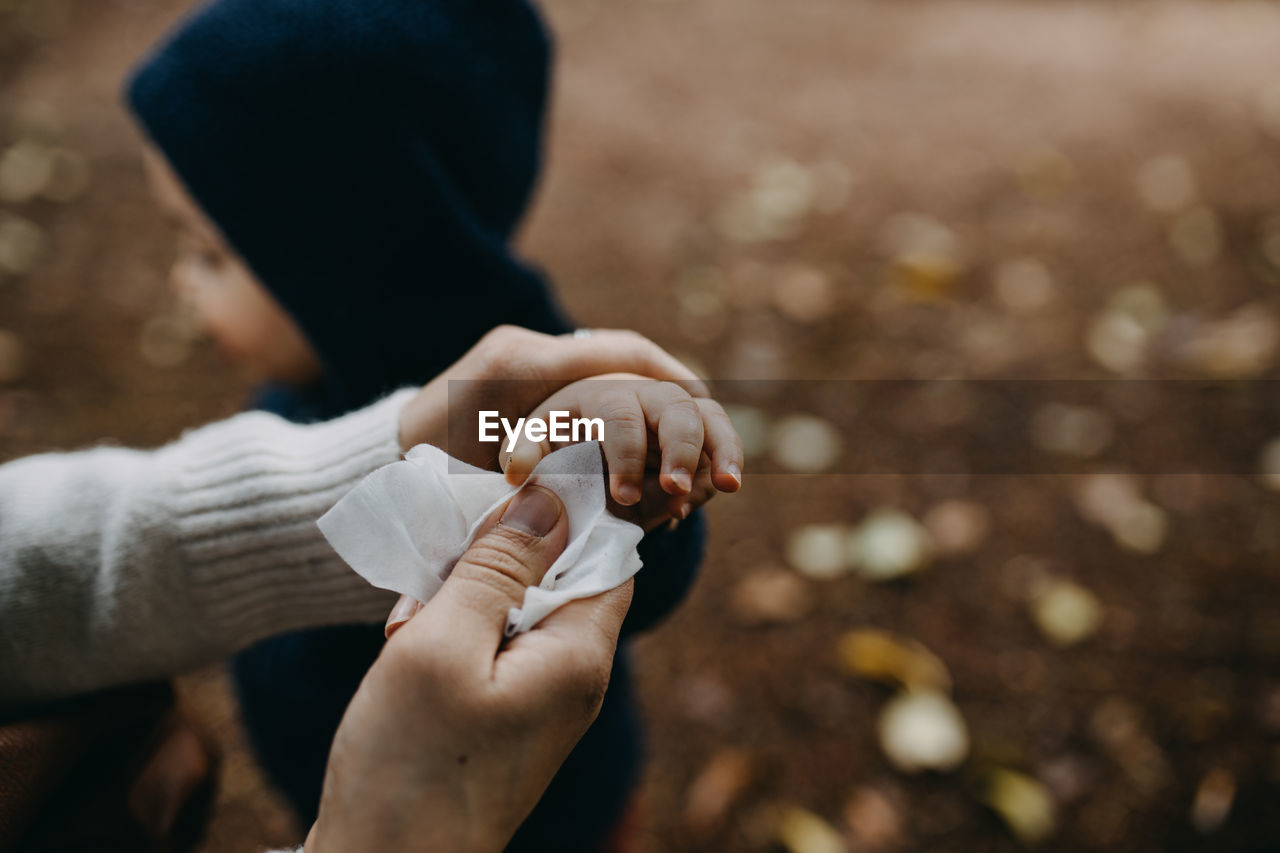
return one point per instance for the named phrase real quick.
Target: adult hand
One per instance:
(455, 732)
(511, 370)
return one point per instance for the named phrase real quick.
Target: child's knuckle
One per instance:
(621, 413)
(685, 447)
(684, 408)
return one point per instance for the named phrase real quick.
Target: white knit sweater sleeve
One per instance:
(123, 565)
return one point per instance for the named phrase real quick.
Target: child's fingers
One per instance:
(723, 445)
(674, 416)
(679, 506)
(519, 463)
(625, 446)
(626, 437)
(611, 398)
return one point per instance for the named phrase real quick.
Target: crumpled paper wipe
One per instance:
(404, 527)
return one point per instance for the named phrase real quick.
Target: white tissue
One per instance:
(406, 524)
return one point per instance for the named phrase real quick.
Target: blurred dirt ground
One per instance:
(837, 190)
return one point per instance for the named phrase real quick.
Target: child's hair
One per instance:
(369, 161)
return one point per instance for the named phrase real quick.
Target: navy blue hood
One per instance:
(369, 160)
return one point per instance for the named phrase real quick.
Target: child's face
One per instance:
(242, 317)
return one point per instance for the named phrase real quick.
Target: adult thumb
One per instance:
(512, 551)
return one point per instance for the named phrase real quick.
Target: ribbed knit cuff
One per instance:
(248, 493)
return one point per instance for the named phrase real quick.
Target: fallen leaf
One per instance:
(1104, 498)
(923, 730)
(926, 276)
(1065, 612)
(25, 170)
(925, 255)
(1142, 528)
(1117, 342)
(1119, 338)
(1240, 345)
(713, 792)
(802, 831)
(772, 208)
(1114, 501)
(1143, 303)
(819, 550)
(1069, 430)
(21, 244)
(899, 661)
(889, 544)
(873, 820)
(956, 526)
(1214, 797)
(907, 234)
(806, 444)
(1023, 803)
(770, 596)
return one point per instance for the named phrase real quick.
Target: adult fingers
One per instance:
(570, 650)
(618, 351)
(405, 609)
(465, 621)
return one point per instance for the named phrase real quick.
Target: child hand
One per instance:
(511, 369)
(667, 451)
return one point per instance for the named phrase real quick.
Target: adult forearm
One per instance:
(120, 565)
